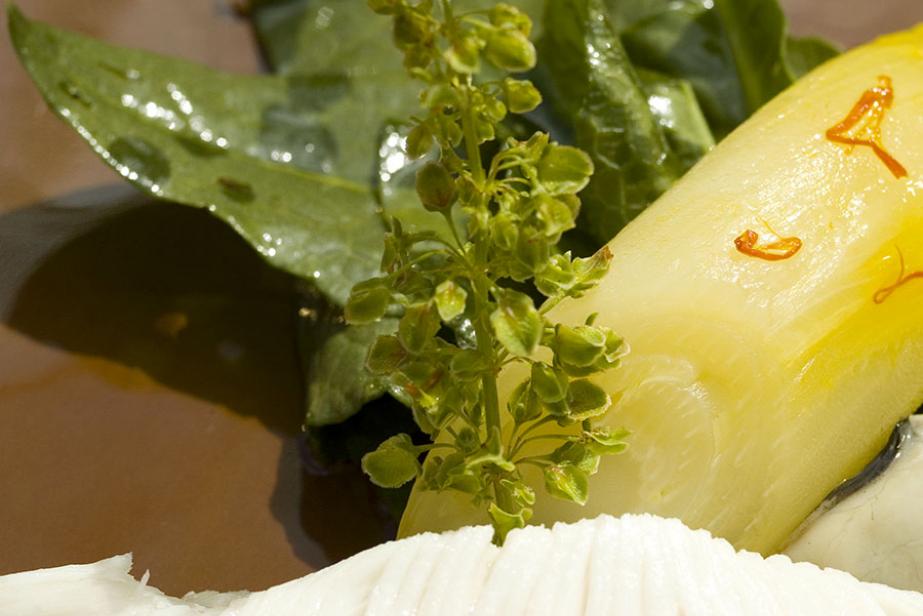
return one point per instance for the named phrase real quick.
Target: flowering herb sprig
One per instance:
(465, 315)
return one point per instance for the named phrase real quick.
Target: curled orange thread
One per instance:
(783, 248)
(882, 294)
(866, 117)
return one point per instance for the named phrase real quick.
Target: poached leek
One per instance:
(755, 386)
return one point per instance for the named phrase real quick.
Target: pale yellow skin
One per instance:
(753, 388)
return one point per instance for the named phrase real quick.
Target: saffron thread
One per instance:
(884, 293)
(779, 250)
(870, 107)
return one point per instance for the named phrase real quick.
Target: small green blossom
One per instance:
(462, 322)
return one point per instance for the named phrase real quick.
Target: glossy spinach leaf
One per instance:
(304, 36)
(208, 139)
(307, 41)
(348, 46)
(685, 40)
(596, 88)
(674, 106)
(736, 53)
(276, 24)
(344, 41)
(334, 361)
(802, 55)
(755, 32)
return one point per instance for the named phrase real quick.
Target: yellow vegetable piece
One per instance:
(756, 385)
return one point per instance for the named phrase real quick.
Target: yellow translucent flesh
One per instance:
(753, 387)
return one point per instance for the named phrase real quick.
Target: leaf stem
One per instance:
(535, 424)
(471, 144)
(549, 304)
(539, 461)
(540, 437)
(454, 229)
(432, 446)
(482, 331)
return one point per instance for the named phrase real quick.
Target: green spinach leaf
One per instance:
(344, 42)
(595, 86)
(208, 139)
(346, 45)
(334, 361)
(802, 55)
(736, 53)
(674, 106)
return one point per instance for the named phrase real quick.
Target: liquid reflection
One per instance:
(176, 294)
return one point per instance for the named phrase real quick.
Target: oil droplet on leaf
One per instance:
(140, 161)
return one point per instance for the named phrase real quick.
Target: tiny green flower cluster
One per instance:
(466, 311)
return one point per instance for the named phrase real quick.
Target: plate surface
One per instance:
(150, 394)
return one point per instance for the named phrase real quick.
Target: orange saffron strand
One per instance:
(884, 293)
(866, 116)
(779, 250)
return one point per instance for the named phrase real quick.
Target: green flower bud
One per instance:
(493, 110)
(456, 475)
(421, 416)
(516, 323)
(605, 441)
(468, 365)
(416, 59)
(419, 141)
(572, 202)
(578, 454)
(385, 7)
(464, 56)
(615, 347)
(468, 440)
(505, 15)
(392, 255)
(557, 277)
(521, 95)
(418, 327)
(510, 50)
(484, 129)
(450, 300)
(439, 96)
(563, 169)
(518, 492)
(504, 231)
(411, 27)
(532, 249)
(423, 382)
(524, 405)
(555, 215)
(451, 131)
(549, 385)
(578, 346)
(386, 355)
(436, 187)
(393, 464)
(536, 144)
(368, 301)
(589, 271)
(567, 482)
(505, 521)
(586, 400)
